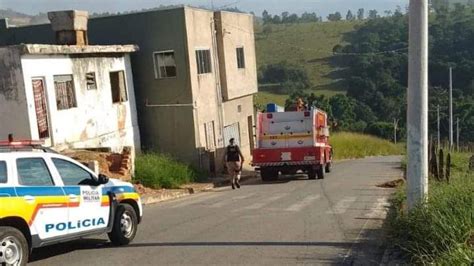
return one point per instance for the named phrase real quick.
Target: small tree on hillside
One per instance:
(373, 14)
(349, 16)
(276, 19)
(267, 18)
(361, 14)
(335, 17)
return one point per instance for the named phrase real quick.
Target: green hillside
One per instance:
(305, 44)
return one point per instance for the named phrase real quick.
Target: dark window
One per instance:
(65, 96)
(203, 59)
(3, 172)
(165, 64)
(71, 174)
(91, 81)
(119, 88)
(240, 57)
(33, 172)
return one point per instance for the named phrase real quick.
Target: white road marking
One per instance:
(342, 206)
(230, 200)
(379, 208)
(262, 203)
(195, 200)
(302, 204)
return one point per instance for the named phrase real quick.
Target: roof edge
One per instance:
(48, 49)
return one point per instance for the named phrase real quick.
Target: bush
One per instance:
(162, 171)
(381, 129)
(438, 231)
(284, 73)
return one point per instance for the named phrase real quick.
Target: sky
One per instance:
(321, 7)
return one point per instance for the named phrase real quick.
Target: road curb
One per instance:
(166, 195)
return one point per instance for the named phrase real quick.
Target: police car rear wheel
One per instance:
(125, 225)
(13, 247)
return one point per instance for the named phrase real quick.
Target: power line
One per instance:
(227, 5)
(377, 53)
(318, 50)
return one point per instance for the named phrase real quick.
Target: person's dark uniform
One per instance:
(234, 160)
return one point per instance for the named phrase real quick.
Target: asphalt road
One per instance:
(337, 220)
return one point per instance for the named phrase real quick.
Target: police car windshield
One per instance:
(3, 172)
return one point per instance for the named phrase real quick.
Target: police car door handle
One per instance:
(73, 198)
(29, 199)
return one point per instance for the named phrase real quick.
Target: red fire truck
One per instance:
(288, 142)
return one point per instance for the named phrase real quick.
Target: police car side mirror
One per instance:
(103, 179)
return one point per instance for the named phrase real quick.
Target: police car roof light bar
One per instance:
(17, 144)
(21, 143)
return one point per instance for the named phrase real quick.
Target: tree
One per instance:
(267, 18)
(335, 17)
(361, 14)
(373, 14)
(309, 17)
(293, 18)
(276, 19)
(284, 16)
(349, 16)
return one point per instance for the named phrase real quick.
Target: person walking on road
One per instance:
(234, 161)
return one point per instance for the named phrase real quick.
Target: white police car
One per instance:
(47, 198)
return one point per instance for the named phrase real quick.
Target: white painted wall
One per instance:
(96, 121)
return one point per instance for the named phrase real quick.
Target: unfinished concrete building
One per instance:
(195, 76)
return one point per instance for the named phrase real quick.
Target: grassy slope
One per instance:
(438, 232)
(306, 44)
(353, 145)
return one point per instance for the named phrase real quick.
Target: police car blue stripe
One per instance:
(57, 191)
(118, 189)
(7, 192)
(76, 190)
(39, 191)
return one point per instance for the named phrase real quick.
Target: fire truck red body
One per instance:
(288, 142)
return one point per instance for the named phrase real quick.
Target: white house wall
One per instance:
(13, 118)
(96, 121)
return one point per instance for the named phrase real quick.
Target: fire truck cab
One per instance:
(288, 142)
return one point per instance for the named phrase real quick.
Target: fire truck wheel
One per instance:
(320, 171)
(268, 174)
(328, 168)
(312, 174)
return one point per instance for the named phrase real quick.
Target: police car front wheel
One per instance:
(13, 247)
(125, 225)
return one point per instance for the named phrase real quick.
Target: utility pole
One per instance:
(417, 140)
(457, 134)
(451, 140)
(439, 133)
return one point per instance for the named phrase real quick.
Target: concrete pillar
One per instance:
(417, 120)
(70, 27)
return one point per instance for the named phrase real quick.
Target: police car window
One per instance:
(3, 172)
(71, 174)
(33, 172)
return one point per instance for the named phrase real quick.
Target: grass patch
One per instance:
(309, 45)
(438, 232)
(162, 171)
(353, 145)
